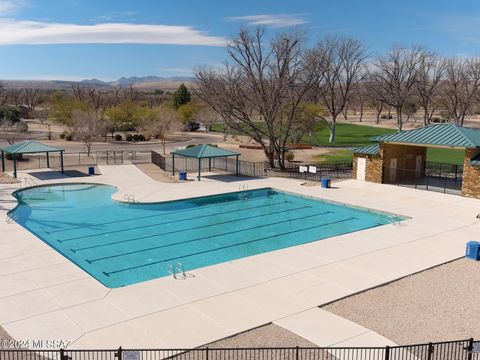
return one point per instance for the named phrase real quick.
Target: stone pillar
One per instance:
(471, 174)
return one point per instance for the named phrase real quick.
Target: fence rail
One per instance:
(439, 177)
(450, 350)
(107, 157)
(334, 170)
(222, 164)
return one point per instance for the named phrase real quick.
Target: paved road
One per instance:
(181, 139)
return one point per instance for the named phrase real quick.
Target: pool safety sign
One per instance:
(476, 347)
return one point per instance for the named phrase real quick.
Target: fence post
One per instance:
(296, 352)
(431, 348)
(470, 349)
(118, 353)
(387, 352)
(206, 353)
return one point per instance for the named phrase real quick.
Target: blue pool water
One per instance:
(122, 244)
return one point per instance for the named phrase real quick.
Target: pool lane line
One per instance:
(224, 247)
(225, 203)
(91, 261)
(187, 229)
(170, 222)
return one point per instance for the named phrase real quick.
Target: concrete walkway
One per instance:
(45, 296)
(329, 330)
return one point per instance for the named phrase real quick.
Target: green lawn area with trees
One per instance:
(450, 156)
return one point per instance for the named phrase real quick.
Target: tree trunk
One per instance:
(163, 145)
(425, 116)
(399, 119)
(331, 140)
(379, 113)
(361, 113)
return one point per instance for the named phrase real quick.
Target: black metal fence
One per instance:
(221, 164)
(315, 172)
(333, 170)
(450, 350)
(439, 177)
(110, 157)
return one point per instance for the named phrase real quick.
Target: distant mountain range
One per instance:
(143, 83)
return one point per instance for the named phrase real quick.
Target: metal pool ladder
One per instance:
(243, 187)
(11, 218)
(129, 197)
(177, 271)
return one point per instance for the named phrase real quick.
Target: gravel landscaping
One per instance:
(435, 305)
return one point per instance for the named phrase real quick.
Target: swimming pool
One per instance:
(123, 243)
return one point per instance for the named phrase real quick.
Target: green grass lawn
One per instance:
(349, 135)
(436, 155)
(449, 156)
(346, 135)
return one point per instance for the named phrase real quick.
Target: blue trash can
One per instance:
(91, 170)
(325, 183)
(473, 250)
(182, 175)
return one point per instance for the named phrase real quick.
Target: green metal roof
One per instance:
(204, 151)
(368, 150)
(438, 134)
(29, 147)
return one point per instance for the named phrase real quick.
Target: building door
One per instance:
(361, 168)
(418, 166)
(393, 170)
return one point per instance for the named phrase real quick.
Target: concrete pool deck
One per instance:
(45, 296)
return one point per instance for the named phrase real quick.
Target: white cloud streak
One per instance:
(272, 20)
(8, 7)
(14, 32)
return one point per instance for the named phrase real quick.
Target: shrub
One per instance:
(129, 137)
(289, 156)
(118, 137)
(68, 136)
(63, 134)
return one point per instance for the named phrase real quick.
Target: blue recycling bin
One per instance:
(325, 183)
(182, 175)
(473, 250)
(91, 170)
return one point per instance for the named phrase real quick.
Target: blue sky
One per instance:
(107, 39)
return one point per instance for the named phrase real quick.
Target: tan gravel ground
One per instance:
(7, 179)
(435, 305)
(264, 336)
(156, 173)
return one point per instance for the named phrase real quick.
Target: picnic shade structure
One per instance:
(29, 147)
(204, 152)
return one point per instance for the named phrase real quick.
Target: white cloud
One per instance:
(36, 32)
(272, 20)
(8, 7)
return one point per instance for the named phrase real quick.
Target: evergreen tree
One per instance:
(181, 96)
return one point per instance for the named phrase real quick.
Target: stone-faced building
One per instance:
(401, 156)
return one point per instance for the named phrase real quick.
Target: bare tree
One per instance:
(339, 70)
(31, 99)
(394, 77)
(159, 122)
(3, 95)
(207, 116)
(15, 96)
(259, 93)
(86, 126)
(429, 79)
(13, 131)
(461, 87)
